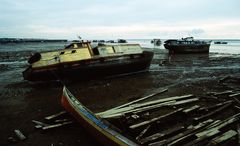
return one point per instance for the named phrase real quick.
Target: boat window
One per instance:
(73, 51)
(62, 53)
(95, 51)
(75, 46)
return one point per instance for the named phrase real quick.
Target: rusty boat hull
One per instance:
(203, 48)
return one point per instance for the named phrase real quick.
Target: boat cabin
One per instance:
(78, 51)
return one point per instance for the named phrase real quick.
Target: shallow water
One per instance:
(13, 57)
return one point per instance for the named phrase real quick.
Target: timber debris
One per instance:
(180, 120)
(53, 121)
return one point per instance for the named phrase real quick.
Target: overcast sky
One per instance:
(111, 19)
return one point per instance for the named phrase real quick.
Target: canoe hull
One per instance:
(91, 69)
(95, 126)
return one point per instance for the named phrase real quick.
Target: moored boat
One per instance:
(81, 61)
(156, 42)
(187, 45)
(97, 127)
(219, 42)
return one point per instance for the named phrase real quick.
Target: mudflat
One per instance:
(22, 101)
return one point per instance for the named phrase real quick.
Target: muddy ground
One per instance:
(22, 101)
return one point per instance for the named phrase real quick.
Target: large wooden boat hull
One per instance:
(101, 130)
(92, 68)
(199, 48)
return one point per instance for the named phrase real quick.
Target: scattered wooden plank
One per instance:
(184, 101)
(19, 134)
(156, 119)
(204, 137)
(38, 126)
(223, 138)
(223, 124)
(234, 95)
(191, 109)
(223, 93)
(205, 109)
(117, 109)
(191, 130)
(141, 99)
(236, 100)
(61, 120)
(55, 115)
(214, 129)
(57, 125)
(142, 133)
(237, 107)
(213, 112)
(138, 110)
(40, 123)
(165, 100)
(160, 135)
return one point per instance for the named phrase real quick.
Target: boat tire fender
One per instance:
(36, 57)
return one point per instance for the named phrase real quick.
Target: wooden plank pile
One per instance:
(190, 120)
(53, 121)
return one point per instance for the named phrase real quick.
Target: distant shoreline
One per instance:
(23, 40)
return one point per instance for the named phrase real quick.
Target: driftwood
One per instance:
(19, 134)
(223, 138)
(160, 135)
(156, 119)
(55, 115)
(226, 105)
(57, 125)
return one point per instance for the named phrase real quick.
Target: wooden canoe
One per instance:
(97, 127)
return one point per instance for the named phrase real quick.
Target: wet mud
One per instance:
(22, 101)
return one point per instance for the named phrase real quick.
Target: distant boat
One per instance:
(219, 42)
(156, 42)
(80, 61)
(187, 45)
(121, 41)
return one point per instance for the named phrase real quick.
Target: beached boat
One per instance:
(103, 131)
(219, 42)
(80, 61)
(156, 42)
(187, 45)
